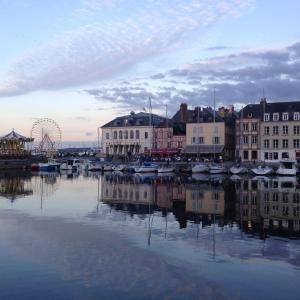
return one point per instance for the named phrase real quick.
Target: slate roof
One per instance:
(256, 111)
(138, 119)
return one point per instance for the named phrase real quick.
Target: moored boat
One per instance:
(71, 164)
(146, 168)
(287, 167)
(94, 167)
(238, 170)
(119, 168)
(166, 169)
(262, 170)
(217, 169)
(200, 168)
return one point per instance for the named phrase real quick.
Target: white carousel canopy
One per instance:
(14, 136)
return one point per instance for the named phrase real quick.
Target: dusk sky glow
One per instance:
(84, 62)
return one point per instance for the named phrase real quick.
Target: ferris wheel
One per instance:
(47, 136)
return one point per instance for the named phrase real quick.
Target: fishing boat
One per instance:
(287, 167)
(238, 170)
(217, 169)
(262, 170)
(146, 168)
(200, 168)
(165, 169)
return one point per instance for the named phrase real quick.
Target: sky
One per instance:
(84, 62)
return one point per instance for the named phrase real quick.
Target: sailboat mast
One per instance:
(150, 124)
(214, 124)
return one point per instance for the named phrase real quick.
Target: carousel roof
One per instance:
(14, 136)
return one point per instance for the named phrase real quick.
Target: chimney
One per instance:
(263, 103)
(183, 113)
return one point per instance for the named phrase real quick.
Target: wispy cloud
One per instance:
(95, 52)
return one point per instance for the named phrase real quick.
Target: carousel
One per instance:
(14, 145)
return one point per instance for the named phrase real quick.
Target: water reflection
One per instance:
(269, 206)
(260, 205)
(148, 237)
(13, 187)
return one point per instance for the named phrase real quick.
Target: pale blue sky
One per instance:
(82, 62)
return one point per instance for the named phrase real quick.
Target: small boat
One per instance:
(262, 170)
(287, 167)
(238, 170)
(217, 169)
(119, 168)
(71, 164)
(200, 168)
(166, 169)
(146, 168)
(94, 167)
(46, 167)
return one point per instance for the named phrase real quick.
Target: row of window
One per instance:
(285, 144)
(285, 130)
(124, 135)
(253, 139)
(274, 155)
(285, 116)
(201, 140)
(246, 126)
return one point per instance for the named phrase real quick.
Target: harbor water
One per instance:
(126, 236)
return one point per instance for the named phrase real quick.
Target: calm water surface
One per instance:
(114, 236)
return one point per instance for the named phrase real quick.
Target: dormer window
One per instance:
(285, 116)
(250, 115)
(296, 116)
(276, 117)
(266, 117)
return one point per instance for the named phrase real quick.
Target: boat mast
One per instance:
(150, 124)
(214, 125)
(198, 119)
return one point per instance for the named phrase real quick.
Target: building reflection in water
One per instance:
(269, 205)
(260, 206)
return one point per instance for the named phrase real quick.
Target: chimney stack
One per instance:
(183, 113)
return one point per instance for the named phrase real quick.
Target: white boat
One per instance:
(262, 170)
(217, 169)
(200, 168)
(94, 167)
(71, 164)
(119, 168)
(146, 168)
(166, 169)
(238, 170)
(287, 167)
